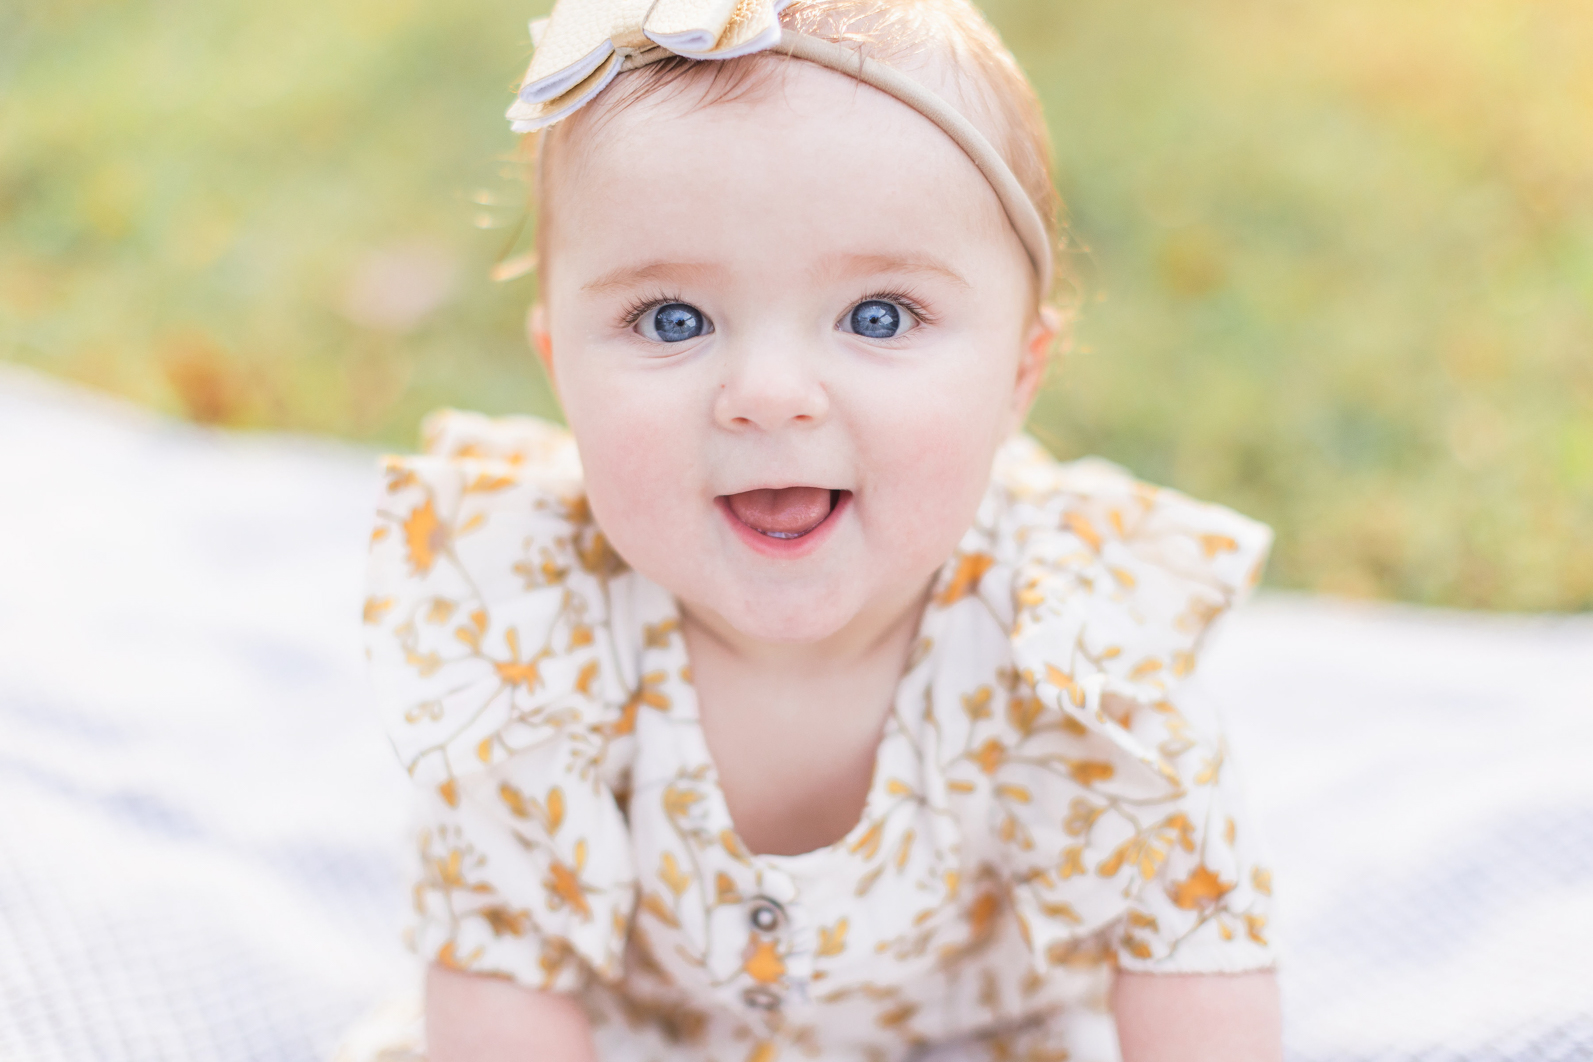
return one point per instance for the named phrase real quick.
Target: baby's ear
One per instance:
(1037, 346)
(536, 330)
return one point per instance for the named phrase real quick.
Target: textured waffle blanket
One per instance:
(202, 836)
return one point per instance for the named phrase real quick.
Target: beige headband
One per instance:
(585, 44)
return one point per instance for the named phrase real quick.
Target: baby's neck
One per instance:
(793, 729)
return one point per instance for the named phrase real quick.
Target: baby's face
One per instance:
(789, 333)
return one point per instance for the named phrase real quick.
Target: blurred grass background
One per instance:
(1336, 258)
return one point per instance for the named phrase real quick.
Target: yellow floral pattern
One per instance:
(1052, 796)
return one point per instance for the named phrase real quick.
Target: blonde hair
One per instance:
(950, 36)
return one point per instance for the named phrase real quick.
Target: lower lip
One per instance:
(786, 548)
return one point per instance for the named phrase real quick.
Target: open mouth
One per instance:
(785, 513)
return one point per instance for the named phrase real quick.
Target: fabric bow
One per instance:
(583, 44)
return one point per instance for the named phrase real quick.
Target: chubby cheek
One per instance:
(639, 465)
(928, 458)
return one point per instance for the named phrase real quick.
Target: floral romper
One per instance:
(1051, 797)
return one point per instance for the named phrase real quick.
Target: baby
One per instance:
(793, 705)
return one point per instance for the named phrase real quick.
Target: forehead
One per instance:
(800, 160)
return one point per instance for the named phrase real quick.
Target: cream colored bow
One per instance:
(585, 43)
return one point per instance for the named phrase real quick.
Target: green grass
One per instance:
(1337, 259)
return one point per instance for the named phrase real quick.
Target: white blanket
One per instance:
(201, 828)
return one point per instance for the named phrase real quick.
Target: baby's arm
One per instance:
(470, 1018)
(1198, 1017)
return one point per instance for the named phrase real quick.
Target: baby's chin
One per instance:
(785, 615)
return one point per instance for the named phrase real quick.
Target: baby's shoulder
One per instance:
(492, 508)
(1089, 532)
(1107, 589)
(1101, 509)
(489, 599)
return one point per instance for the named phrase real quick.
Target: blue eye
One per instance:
(876, 319)
(674, 322)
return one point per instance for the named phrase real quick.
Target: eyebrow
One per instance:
(627, 277)
(869, 264)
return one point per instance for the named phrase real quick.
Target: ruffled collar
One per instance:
(1108, 588)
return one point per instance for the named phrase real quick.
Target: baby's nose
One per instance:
(770, 388)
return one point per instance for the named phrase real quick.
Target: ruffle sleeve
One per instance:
(1115, 769)
(492, 657)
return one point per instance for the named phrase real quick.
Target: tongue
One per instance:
(785, 513)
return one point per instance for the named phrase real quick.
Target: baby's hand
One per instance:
(470, 1018)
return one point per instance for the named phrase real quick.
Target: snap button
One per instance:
(765, 915)
(761, 999)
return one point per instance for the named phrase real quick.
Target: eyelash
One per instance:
(903, 299)
(635, 310)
